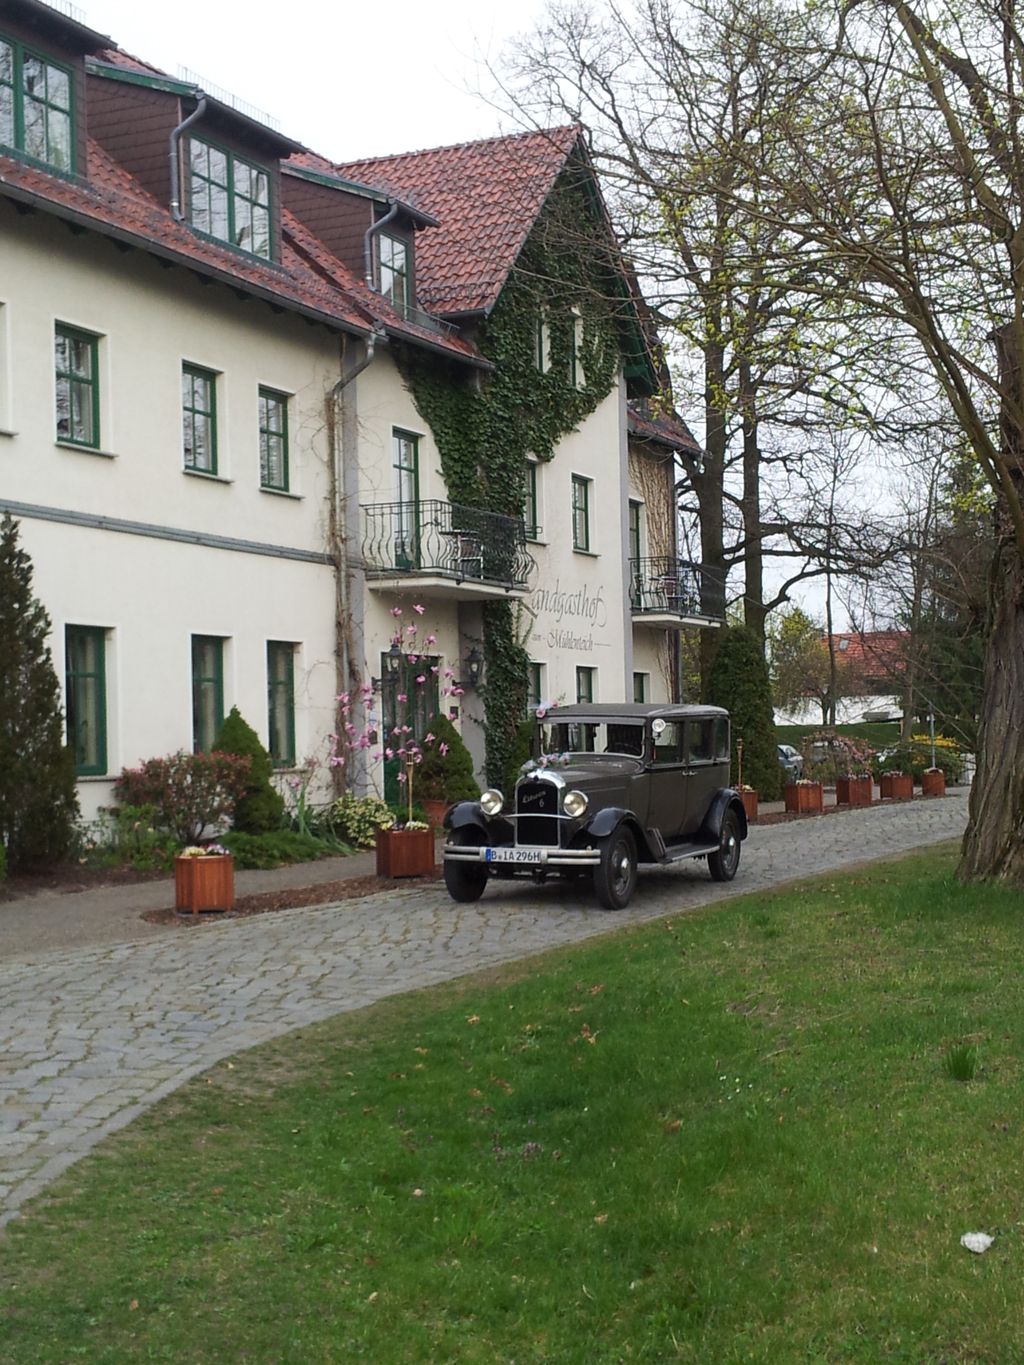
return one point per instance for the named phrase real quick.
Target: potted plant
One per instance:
(444, 774)
(855, 789)
(405, 850)
(204, 878)
(896, 786)
(933, 782)
(804, 797)
(749, 798)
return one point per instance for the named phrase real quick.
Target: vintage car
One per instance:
(608, 787)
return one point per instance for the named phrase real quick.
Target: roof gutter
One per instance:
(175, 159)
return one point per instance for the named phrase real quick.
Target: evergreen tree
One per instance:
(38, 801)
(260, 808)
(739, 682)
(445, 776)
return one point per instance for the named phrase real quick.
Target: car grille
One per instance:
(537, 811)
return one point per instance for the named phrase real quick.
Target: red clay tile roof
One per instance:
(667, 429)
(111, 201)
(486, 195)
(880, 655)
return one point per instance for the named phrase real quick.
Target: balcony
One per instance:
(666, 593)
(445, 549)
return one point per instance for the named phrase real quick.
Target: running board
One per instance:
(677, 853)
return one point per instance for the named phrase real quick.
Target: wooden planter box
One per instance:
(933, 782)
(804, 798)
(896, 786)
(205, 883)
(749, 800)
(405, 853)
(854, 791)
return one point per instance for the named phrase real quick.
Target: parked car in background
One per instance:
(609, 787)
(792, 762)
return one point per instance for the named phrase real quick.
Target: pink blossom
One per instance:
(389, 753)
(411, 628)
(431, 640)
(336, 761)
(458, 691)
(428, 738)
(421, 679)
(419, 610)
(401, 777)
(442, 748)
(403, 696)
(396, 611)
(540, 712)
(448, 673)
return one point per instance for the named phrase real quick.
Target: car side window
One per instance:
(668, 744)
(722, 739)
(700, 740)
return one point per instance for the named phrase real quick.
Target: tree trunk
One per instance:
(708, 488)
(753, 557)
(993, 846)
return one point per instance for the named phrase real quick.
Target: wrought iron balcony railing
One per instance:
(446, 538)
(666, 586)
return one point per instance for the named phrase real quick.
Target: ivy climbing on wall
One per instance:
(554, 338)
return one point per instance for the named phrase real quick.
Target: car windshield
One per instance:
(625, 738)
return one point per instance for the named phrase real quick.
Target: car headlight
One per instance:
(575, 803)
(491, 802)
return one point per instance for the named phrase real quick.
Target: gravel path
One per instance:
(90, 1037)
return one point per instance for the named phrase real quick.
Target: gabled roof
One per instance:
(486, 196)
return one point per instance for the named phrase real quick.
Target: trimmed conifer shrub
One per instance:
(739, 682)
(448, 775)
(261, 807)
(38, 801)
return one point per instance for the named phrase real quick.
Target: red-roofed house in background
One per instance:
(870, 674)
(252, 403)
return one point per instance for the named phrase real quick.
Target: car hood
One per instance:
(590, 775)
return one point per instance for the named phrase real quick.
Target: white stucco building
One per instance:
(212, 444)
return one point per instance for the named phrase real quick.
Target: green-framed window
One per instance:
(76, 372)
(229, 198)
(575, 346)
(531, 507)
(281, 702)
(636, 535)
(541, 341)
(393, 270)
(534, 685)
(207, 691)
(36, 106)
(580, 512)
(199, 419)
(585, 684)
(85, 675)
(273, 440)
(405, 457)
(640, 687)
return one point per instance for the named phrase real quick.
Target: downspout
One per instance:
(368, 236)
(176, 133)
(338, 533)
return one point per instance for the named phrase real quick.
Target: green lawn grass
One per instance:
(730, 1135)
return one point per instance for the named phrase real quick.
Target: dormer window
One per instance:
(35, 106)
(393, 268)
(229, 198)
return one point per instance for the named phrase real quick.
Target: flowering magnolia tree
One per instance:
(360, 726)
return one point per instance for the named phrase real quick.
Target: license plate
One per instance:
(512, 855)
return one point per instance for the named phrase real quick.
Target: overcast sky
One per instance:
(348, 80)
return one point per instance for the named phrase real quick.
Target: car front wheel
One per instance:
(465, 881)
(615, 874)
(723, 863)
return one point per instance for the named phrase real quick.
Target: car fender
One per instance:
(608, 820)
(469, 815)
(725, 799)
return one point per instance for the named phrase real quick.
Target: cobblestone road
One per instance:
(90, 1038)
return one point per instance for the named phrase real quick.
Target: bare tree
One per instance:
(904, 179)
(678, 102)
